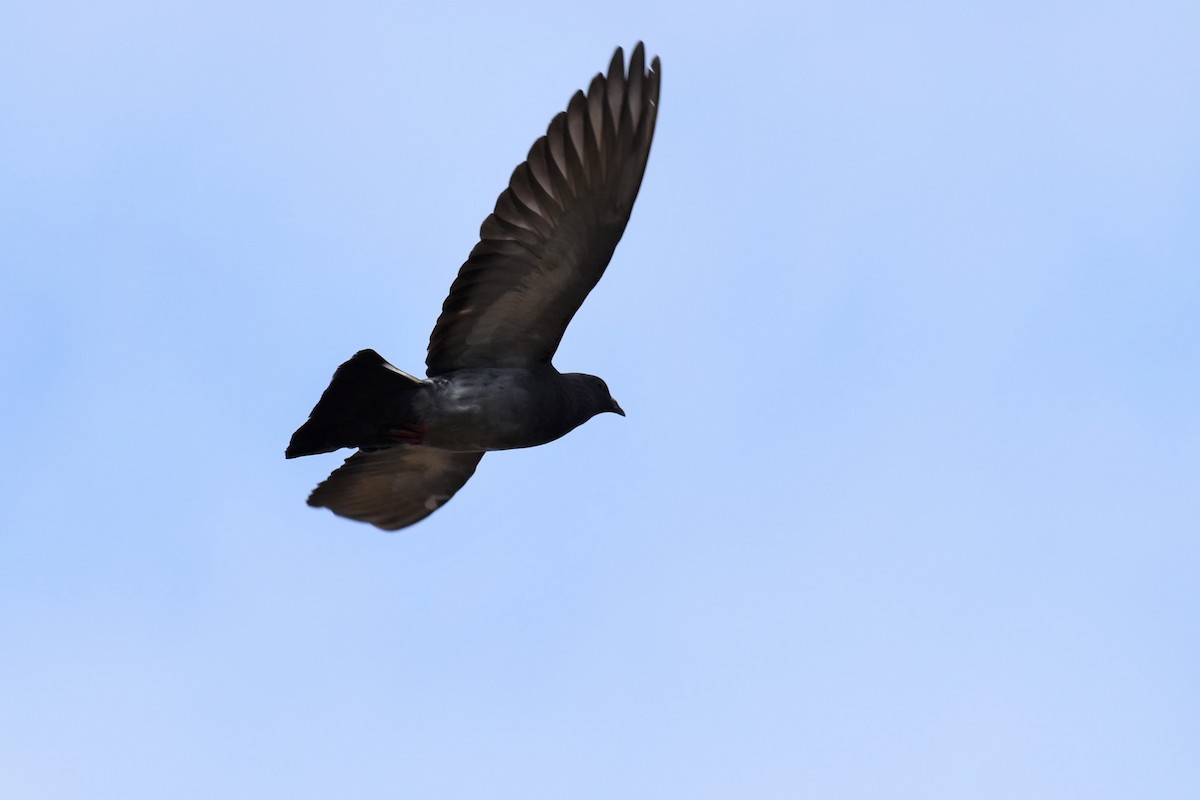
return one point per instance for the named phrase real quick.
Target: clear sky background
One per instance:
(906, 323)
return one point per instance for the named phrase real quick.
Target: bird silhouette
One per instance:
(491, 384)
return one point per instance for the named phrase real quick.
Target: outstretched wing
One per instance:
(394, 487)
(554, 228)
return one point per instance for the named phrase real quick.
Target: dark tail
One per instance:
(366, 398)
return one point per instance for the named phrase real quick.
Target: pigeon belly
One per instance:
(472, 410)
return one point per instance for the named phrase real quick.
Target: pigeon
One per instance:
(490, 382)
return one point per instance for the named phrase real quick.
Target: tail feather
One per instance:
(366, 398)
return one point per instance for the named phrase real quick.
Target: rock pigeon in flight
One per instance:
(491, 384)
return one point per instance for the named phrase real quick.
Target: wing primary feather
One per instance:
(576, 125)
(594, 131)
(557, 141)
(636, 84)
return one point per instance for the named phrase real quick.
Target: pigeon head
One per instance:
(590, 397)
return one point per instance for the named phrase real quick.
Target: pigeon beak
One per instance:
(616, 409)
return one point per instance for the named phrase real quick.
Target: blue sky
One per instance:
(906, 324)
